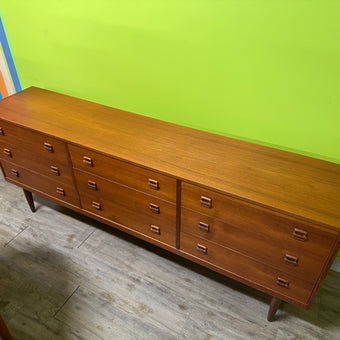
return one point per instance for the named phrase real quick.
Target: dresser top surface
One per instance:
(284, 181)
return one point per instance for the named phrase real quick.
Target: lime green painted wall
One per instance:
(261, 70)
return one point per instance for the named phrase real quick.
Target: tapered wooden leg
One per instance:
(274, 305)
(29, 199)
(4, 332)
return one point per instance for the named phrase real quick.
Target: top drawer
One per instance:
(38, 143)
(275, 226)
(124, 173)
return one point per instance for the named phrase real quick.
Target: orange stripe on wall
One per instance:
(3, 88)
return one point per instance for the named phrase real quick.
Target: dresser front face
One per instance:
(37, 162)
(268, 249)
(136, 198)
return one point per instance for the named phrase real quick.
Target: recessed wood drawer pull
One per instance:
(154, 208)
(300, 234)
(97, 205)
(7, 152)
(206, 202)
(61, 191)
(153, 184)
(291, 259)
(155, 229)
(48, 147)
(202, 249)
(87, 160)
(92, 185)
(2, 131)
(15, 172)
(204, 227)
(55, 170)
(282, 282)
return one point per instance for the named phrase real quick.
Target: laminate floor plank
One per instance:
(27, 327)
(11, 226)
(24, 292)
(66, 276)
(8, 231)
(90, 271)
(109, 319)
(201, 295)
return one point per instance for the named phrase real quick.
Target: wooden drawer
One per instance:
(40, 161)
(286, 256)
(118, 171)
(249, 270)
(138, 211)
(43, 184)
(37, 143)
(279, 228)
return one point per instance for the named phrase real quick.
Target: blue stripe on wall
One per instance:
(9, 58)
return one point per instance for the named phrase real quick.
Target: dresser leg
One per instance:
(274, 305)
(4, 332)
(29, 199)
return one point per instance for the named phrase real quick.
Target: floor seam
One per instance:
(55, 314)
(86, 238)
(6, 244)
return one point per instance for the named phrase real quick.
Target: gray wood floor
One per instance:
(65, 276)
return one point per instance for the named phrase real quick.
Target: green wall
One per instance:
(260, 70)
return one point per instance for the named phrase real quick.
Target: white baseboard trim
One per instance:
(336, 265)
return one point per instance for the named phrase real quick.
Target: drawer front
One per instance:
(40, 161)
(281, 255)
(277, 227)
(38, 143)
(277, 282)
(43, 184)
(144, 213)
(124, 173)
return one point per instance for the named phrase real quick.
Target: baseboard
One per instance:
(336, 265)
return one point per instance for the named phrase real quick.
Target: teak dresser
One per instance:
(265, 217)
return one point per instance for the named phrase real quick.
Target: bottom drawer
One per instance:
(43, 184)
(262, 247)
(255, 273)
(136, 210)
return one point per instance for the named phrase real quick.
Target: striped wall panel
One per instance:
(9, 79)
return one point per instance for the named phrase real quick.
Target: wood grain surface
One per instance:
(35, 142)
(249, 269)
(124, 173)
(128, 207)
(279, 228)
(257, 245)
(29, 157)
(41, 183)
(291, 183)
